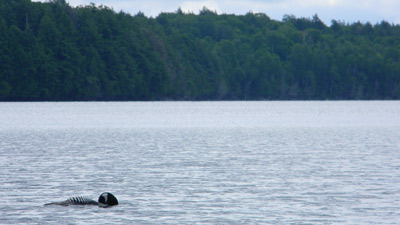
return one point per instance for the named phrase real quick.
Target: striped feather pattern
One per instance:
(79, 200)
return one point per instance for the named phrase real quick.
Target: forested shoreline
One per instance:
(55, 52)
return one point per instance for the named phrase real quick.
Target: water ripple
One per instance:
(206, 175)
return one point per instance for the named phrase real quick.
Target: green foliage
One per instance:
(52, 51)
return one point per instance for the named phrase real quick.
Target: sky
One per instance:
(348, 11)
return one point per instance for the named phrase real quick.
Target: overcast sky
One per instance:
(344, 10)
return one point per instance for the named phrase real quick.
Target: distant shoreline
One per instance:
(54, 52)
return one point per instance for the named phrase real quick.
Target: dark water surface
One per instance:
(202, 162)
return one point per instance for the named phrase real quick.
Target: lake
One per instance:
(261, 162)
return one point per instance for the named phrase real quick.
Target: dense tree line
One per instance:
(52, 51)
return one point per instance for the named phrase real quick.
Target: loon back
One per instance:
(81, 201)
(106, 199)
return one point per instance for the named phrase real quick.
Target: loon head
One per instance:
(107, 199)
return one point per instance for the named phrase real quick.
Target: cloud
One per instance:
(344, 10)
(196, 6)
(373, 11)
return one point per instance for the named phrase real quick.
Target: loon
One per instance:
(105, 200)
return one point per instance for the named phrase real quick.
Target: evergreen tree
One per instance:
(52, 51)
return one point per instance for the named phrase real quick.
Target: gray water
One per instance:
(202, 162)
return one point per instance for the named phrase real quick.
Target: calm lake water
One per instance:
(202, 162)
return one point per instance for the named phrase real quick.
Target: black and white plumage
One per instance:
(79, 200)
(106, 199)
